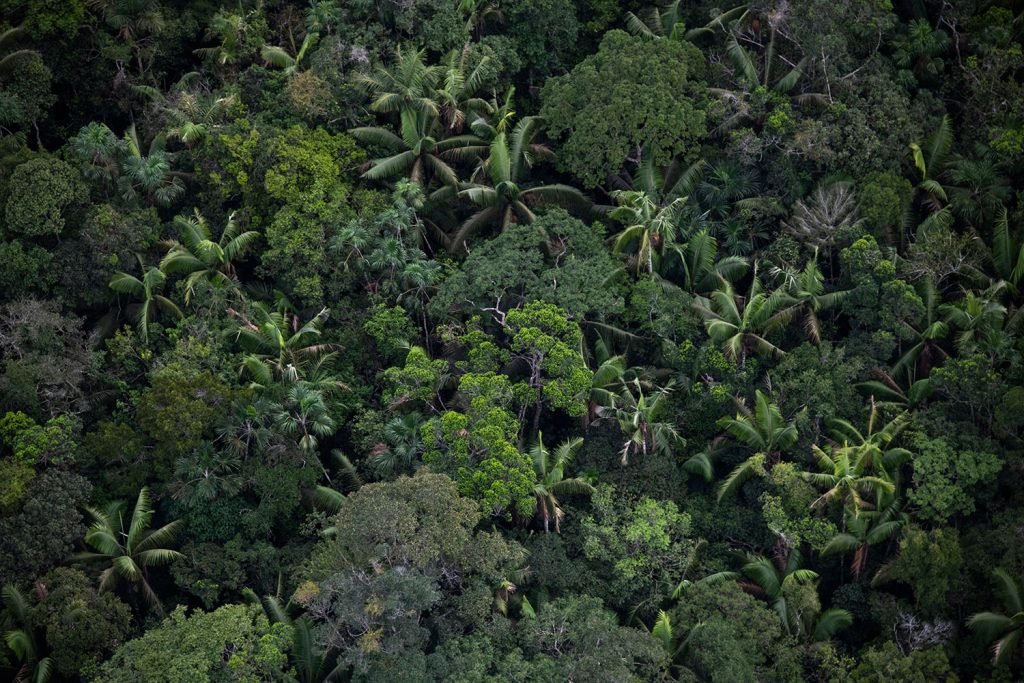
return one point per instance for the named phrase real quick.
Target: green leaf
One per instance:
(277, 56)
(831, 622)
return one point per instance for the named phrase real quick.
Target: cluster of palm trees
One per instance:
(859, 478)
(289, 364)
(284, 359)
(742, 323)
(857, 470)
(198, 256)
(433, 105)
(138, 173)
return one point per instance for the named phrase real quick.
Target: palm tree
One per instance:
(278, 348)
(401, 445)
(825, 625)
(99, 151)
(138, 23)
(873, 448)
(418, 153)
(1006, 254)
(132, 549)
(885, 392)
(930, 159)
(149, 175)
(279, 57)
(665, 21)
(22, 640)
(131, 18)
(312, 664)
(920, 48)
(739, 322)
(769, 578)
(658, 22)
(304, 412)
(753, 77)
(640, 418)
(247, 429)
(763, 431)
(229, 30)
(527, 154)
(700, 267)
(323, 16)
(507, 199)
(926, 332)
(200, 258)
(148, 289)
(675, 645)
(1004, 630)
(975, 317)
(457, 95)
(805, 297)
(648, 227)
(9, 61)
(827, 219)
(607, 381)
(696, 260)
(726, 186)
(331, 498)
(206, 475)
(191, 112)
(976, 187)
(551, 480)
(845, 479)
(663, 184)
(479, 13)
(408, 86)
(865, 530)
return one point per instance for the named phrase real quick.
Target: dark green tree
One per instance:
(652, 100)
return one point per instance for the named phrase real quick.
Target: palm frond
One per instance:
(831, 622)
(277, 56)
(740, 474)
(741, 59)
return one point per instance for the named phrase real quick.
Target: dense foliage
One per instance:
(542, 340)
